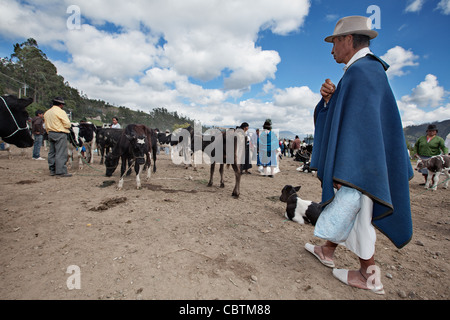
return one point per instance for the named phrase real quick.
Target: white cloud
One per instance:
(111, 56)
(444, 6)
(301, 98)
(415, 5)
(413, 114)
(399, 58)
(159, 53)
(425, 104)
(204, 38)
(427, 94)
(19, 19)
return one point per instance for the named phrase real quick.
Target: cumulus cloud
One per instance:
(399, 58)
(111, 56)
(25, 20)
(412, 114)
(146, 54)
(427, 94)
(204, 38)
(425, 104)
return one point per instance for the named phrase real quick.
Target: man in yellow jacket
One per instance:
(57, 124)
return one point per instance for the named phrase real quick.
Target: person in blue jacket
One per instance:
(268, 145)
(359, 144)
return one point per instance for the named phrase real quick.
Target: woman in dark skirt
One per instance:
(247, 165)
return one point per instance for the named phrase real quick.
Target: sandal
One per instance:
(342, 275)
(310, 248)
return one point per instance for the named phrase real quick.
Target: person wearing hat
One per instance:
(247, 164)
(360, 151)
(57, 124)
(37, 128)
(428, 146)
(268, 145)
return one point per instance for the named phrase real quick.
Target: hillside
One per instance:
(28, 72)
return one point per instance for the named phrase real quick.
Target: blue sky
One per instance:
(223, 62)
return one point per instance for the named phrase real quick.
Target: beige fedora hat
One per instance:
(353, 25)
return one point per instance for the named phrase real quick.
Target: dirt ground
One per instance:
(178, 239)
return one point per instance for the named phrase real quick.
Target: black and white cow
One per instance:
(81, 135)
(153, 141)
(87, 133)
(73, 144)
(106, 139)
(132, 148)
(13, 121)
(435, 165)
(299, 210)
(304, 155)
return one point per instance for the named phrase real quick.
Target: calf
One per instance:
(435, 165)
(87, 133)
(81, 135)
(13, 121)
(132, 148)
(235, 146)
(223, 147)
(106, 139)
(153, 147)
(179, 146)
(299, 210)
(73, 143)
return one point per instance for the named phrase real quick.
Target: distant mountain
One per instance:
(288, 135)
(412, 133)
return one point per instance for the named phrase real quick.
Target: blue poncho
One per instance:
(359, 142)
(268, 144)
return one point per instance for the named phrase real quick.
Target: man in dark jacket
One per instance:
(37, 128)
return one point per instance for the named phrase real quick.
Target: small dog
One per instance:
(299, 210)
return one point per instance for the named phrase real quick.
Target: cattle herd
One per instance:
(136, 146)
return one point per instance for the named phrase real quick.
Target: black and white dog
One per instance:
(299, 210)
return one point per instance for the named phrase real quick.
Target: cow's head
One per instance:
(287, 192)
(139, 147)
(87, 132)
(74, 136)
(111, 163)
(13, 127)
(421, 164)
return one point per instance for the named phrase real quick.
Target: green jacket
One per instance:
(432, 148)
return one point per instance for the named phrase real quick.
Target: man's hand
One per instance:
(327, 90)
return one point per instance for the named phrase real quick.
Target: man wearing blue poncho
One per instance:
(360, 151)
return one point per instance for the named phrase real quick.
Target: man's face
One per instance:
(342, 49)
